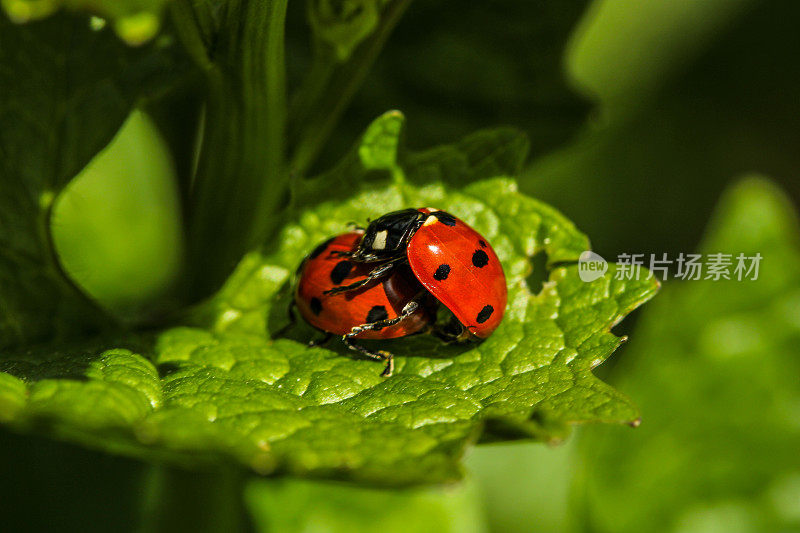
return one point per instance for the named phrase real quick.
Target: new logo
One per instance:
(591, 266)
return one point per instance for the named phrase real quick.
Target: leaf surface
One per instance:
(221, 388)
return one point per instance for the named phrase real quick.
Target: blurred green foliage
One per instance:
(452, 71)
(693, 110)
(119, 220)
(622, 54)
(686, 96)
(715, 368)
(136, 21)
(292, 506)
(525, 486)
(52, 125)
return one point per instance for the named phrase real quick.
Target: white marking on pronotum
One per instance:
(430, 220)
(380, 240)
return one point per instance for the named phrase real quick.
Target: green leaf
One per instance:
(480, 155)
(483, 154)
(524, 484)
(136, 21)
(622, 55)
(224, 389)
(299, 505)
(714, 367)
(348, 36)
(343, 24)
(455, 68)
(122, 193)
(66, 91)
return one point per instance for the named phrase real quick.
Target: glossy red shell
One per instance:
(459, 267)
(339, 313)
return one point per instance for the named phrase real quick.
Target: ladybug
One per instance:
(395, 306)
(451, 260)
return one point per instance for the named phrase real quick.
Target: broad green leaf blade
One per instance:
(224, 388)
(122, 193)
(66, 91)
(622, 55)
(136, 21)
(715, 368)
(483, 154)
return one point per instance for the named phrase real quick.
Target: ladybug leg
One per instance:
(378, 355)
(376, 273)
(409, 309)
(452, 331)
(444, 336)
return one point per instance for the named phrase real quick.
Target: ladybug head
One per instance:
(387, 236)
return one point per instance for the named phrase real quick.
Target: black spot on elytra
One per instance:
(321, 248)
(445, 218)
(442, 272)
(340, 271)
(316, 306)
(480, 259)
(482, 243)
(377, 314)
(485, 313)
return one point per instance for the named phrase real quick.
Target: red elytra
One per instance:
(459, 267)
(323, 269)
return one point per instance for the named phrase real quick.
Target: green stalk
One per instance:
(329, 87)
(241, 177)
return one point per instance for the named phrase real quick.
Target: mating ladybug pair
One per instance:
(387, 280)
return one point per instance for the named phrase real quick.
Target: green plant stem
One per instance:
(328, 89)
(180, 500)
(241, 177)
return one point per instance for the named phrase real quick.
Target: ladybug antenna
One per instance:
(354, 226)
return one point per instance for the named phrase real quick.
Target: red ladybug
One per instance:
(451, 260)
(393, 307)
